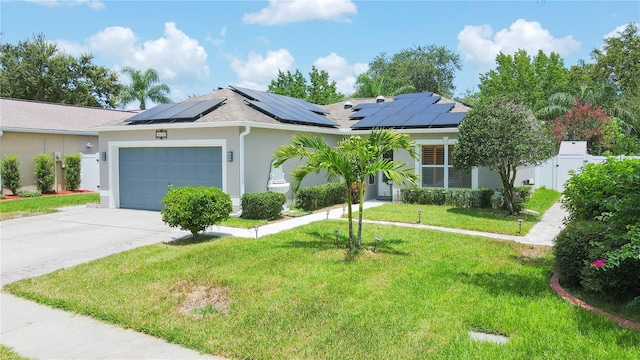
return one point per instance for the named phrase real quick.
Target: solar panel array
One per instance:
(416, 110)
(184, 111)
(285, 108)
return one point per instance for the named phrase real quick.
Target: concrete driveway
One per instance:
(36, 245)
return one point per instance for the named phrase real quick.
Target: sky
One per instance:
(198, 46)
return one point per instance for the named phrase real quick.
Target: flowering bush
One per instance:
(608, 194)
(584, 122)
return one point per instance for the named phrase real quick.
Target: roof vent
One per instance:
(380, 99)
(348, 105)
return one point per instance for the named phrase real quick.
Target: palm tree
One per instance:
(603, 95)
(352, 161)
(143, 87)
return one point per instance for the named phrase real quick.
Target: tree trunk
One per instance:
(360, 208)
(350, 215)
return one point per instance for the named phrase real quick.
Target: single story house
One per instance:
(227, 139)
(30, 128)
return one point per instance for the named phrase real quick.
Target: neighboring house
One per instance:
(227, 139)
(31, 128)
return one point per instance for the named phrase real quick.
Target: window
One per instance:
(437, 169)
(372, 179)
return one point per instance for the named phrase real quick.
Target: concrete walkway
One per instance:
(37, 245)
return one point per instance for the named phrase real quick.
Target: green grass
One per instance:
(607, 304)
(296, 295)
(486, 220)
(7, 353)
(243, 223)
(542, 199)
(42, 205)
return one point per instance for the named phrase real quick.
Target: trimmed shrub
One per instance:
(316, 197)
(574, 249)
(29, 194)
(464, 198)
(72, 171)
(267, 205)
(44, 172)
(11, 178)
(195, 208)
(621, 282)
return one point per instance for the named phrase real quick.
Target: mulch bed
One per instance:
(62, 192)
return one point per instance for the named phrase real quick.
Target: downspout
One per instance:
(246, 132)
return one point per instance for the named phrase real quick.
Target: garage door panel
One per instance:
(145, 173)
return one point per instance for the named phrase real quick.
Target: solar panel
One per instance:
(414, 95)
(285, 108)
(187, 110)
(365, 105)
(420, 120)
(449, 119)
(396, 120)
(367, 123)
(439, 108)
(200, 108)
(147, 114)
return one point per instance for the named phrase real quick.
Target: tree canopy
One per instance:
(501, 134)
(530, 81)
(319, 91)
(352, 161)
(417, 69)
(144, 86)
(35, 69)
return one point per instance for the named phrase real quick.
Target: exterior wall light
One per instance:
(229, 156)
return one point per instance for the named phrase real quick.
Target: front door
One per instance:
(384, 189)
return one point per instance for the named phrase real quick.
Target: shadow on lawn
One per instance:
(490, 214)
(500, 283)
(324, 241)
(189, 240)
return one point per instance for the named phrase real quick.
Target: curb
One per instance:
(555, 285)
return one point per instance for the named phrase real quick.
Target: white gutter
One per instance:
(246, 132)
(50, 131)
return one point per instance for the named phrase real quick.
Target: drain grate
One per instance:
(498, 339)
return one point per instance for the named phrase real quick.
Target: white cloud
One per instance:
(175, 56)
(219, 39)
(71, 47)
(341, 71)
(93, 4)
(480, 45)
(282, 12)
(257, 71)
(616, 32)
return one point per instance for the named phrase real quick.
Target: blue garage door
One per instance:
(145, 173)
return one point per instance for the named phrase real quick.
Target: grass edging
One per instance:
(555, 285)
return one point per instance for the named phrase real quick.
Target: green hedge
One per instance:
(11, 178)
(464, 198)
(267, 205)
(316, 197)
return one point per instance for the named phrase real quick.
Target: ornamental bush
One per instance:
(72, 171)
(195, 208)
(44, 172)
(29, 193)
(11, 178)
(267, 205)
(573, 249)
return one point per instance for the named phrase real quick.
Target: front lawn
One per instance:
(10, 209)
(296, 295)
(486, 220)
